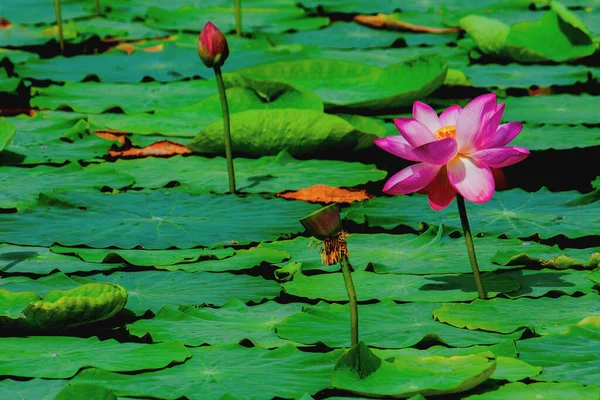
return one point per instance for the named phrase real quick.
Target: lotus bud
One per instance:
(212, 46)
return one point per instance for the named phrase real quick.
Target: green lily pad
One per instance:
(23, 185)
(536, 391)
(544, 315)
(527, 42)
(229, 324)
(275, 19)
(544, 137)
(435, 252)
(153, 221)
(189, 120)
(595, 276)
(357, 86)
(94, 97)
(404, 377)
(568, 356)
(386, 325)
(559, 109)
(7, 133)
(514, 213)
(269, 174)
(142, 258)
(216, 371)
(151, 290)
(370, 286)
(41, 286)
(42, 389)
(11, 304)
(541, 282)
(267, 132)
(63, 356)
(85, 391)
(41, 11)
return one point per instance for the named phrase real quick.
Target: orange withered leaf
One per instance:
(326, 194)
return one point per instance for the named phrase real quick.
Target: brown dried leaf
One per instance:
(326, 194)
(163, 148)
(381, 21)
(4, 23)
(111, 134)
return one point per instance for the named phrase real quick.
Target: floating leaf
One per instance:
(7, 133)
(291, 373)
(385, 325)
(536, 391)
(230, 324)
(63, 356)
(544, 315)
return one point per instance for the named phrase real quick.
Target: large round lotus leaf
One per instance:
(12, 303)
(85, 392)
(538, 283)
(241, 260)
(371, 286)
(514, 213)
(7, 133)
(544, 315)
(188, 121)
(385, 325)
(41, 286)
(569, 356)
(274, 19)
(229, 324)
(219, 371)
(358, 86)
(42, 261)
(270, 174)
(559, 109)
(152, 220)
(94, 97)
(39, 389)
(22, 185)
(151, 290)
(61, 309)
(537, 391)
(526, 41)
(303, 250)
(63, 356)
(406, 376)
(40, 11)
(267, 132)
(595, 276)
(508, 366)
(142, 258)
(435, 252)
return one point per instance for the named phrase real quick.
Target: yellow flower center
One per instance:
(446, 132)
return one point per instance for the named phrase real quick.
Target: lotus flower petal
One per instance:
(471, 178)
(504, 135)
(414, 132)
(411, 179)
(501, 156)
(440, 192)
(439, 152)
(449, 115)
(397, 146)
(426, 115)
(471, 120)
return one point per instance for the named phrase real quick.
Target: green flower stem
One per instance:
(238, 17)
(61, 38)
(347, 271)
(462, 210)
(97, 7)
(227, 127)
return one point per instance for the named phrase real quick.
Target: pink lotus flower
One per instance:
(454, 151)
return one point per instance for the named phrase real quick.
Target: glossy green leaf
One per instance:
(385, 325)
(151, 290)
(153, 221)
(85, 392)
(275, 19)
(543, 316)
(568, 356)
(559, 109)
(595, 276)
(370, 286)
(541, 282)
(41, 286)
(267, 132)
(514, 213)
(404, 377)
(527, 42)
(41, 261)
(217, 371)
(434, 252)
(7, 133)
(11, 304)
(40, 11)
(230, 324)
(142, 258)
(357, 86)
(536, 391)
(94, 97)
(23, 185)
(269, 174)
(42, 389)
(63, 356)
